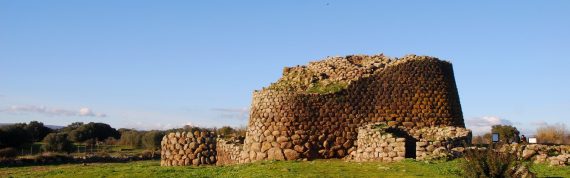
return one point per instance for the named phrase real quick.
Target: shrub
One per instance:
(477, 140)
(8, 152)
(328, 88)
(110, 141)
(130, 138)
(240, 131)
(552, 134)
(151, 140)
(226, 131)
(482, 139)
(490, 163)
(57, 142)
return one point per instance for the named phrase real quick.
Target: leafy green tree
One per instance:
(151, 140)
(507, 133)
(131, 138)
(71, 127)
(57, 142)
(15, 136)
(93, 131)
(37, 130)
(226, 131)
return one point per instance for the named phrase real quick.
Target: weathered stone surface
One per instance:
(256, 147)
(291, 154)
(265, 146)
(275, 154)
(526, 154)
(421, 144)
(282, 139)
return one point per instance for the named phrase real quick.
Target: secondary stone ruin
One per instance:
(185, 149)
(328, 109)
(377, 142)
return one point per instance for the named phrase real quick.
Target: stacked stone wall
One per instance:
(414, 92)
(188, 148)
(439, 142)
(376, 144)
(229, 152)
(389, 143)
(556, 155)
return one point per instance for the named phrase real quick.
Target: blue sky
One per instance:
(160, 64)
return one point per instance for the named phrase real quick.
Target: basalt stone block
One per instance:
(291, 154)
(275, 154)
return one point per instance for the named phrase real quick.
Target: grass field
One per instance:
(318, 168)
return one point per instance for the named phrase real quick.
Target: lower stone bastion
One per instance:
(360, 108)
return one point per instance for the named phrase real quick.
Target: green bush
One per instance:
(491, 163)
(57, 142)
(131, 138)
(225, 131)
(37, 130)
(151, 140)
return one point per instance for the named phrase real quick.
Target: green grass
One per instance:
(544, 170)
(330, 88)
(318, 168)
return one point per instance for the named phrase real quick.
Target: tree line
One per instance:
(546, 134)
(67, 139)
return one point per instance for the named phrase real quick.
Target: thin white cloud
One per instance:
(156, 126)
(152, 120)
(482, 125)
(84, 112)
(233, 113)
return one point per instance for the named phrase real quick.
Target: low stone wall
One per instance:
(440, 142)
(229, 152)
(187, 148)
(381, 142)
(557, 155)
(375, 144)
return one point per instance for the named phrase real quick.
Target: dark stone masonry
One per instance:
(361, 108)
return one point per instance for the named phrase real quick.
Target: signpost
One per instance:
(495, 137)
(532, 140)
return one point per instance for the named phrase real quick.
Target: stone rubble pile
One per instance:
(556, 155)
(331, 70)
